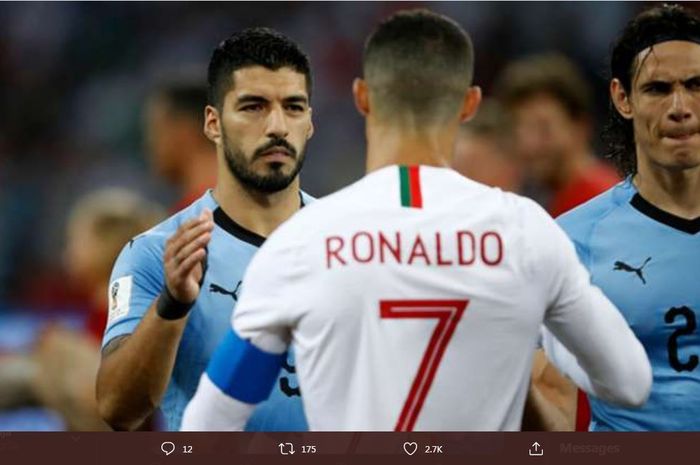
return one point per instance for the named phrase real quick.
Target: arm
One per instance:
(136, 369)
(245, 366)
(238, 377)
(614, 364)
(551, 399)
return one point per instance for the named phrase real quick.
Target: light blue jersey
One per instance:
(137, 279)
(647, 262)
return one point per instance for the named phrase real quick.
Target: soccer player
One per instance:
(179, 151)
(413, 296)
(173, 288)
(641, 239)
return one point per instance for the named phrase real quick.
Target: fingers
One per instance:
(188, 265)
(189, 231)
(198, 242)
(184, 251)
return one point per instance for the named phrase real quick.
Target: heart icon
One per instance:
(410, 447)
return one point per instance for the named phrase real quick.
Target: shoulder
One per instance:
(147, 247)
(580, 222)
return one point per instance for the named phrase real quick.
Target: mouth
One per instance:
(679, 136)
(276, 154)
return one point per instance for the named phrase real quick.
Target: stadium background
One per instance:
(74, 77)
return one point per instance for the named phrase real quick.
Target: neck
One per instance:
(674, 191)
(258, 212)
(200, 172)
(400, 145)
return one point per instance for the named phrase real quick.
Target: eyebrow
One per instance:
(663, 80)
(249, 98)
(246, 98)
(296, 99)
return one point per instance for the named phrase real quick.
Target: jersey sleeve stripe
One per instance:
(243, 371)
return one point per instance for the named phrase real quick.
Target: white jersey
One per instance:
(413, 299)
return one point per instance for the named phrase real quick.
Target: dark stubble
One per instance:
(275, 179)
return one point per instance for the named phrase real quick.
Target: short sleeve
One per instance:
(137, 279)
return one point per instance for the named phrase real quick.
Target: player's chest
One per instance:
(221, 289)
(655, 282)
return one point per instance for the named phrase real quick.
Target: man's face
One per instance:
(265, 124)
(545, 134)
(665, 105)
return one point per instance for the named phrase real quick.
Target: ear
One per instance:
(212, 124)
(360, 93)
(471, 102)
(620, 99)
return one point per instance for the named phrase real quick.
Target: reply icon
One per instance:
(167, 447)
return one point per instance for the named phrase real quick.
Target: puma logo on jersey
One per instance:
(622, 266)
(285, 387)
(215, 288)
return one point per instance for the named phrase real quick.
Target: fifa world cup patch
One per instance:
(119, 297)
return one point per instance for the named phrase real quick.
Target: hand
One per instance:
(184, 254)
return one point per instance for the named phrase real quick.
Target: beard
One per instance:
(275, 179)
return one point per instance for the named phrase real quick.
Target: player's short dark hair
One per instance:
(259, 46)
(654, 25)
(183, 97)
(550, 74)
(418, 64)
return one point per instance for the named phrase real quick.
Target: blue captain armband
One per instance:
(243, 371)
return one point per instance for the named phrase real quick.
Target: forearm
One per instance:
(551, 400)
(542, 413)
(133, 378)
(596, 348)
(212, 410)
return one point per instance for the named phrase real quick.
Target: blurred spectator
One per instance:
(178, 149)
(484, 149)
(60, 371)
(551, 107)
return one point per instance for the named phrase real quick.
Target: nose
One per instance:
(277, 123)
(680, 106)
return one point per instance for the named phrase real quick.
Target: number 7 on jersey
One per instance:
(448, 313)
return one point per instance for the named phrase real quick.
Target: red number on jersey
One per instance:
(448, 313)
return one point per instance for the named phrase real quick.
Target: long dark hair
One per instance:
(652, 26)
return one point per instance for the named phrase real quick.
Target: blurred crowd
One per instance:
(100, 124)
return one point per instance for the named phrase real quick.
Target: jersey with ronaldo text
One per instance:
(413, 299)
